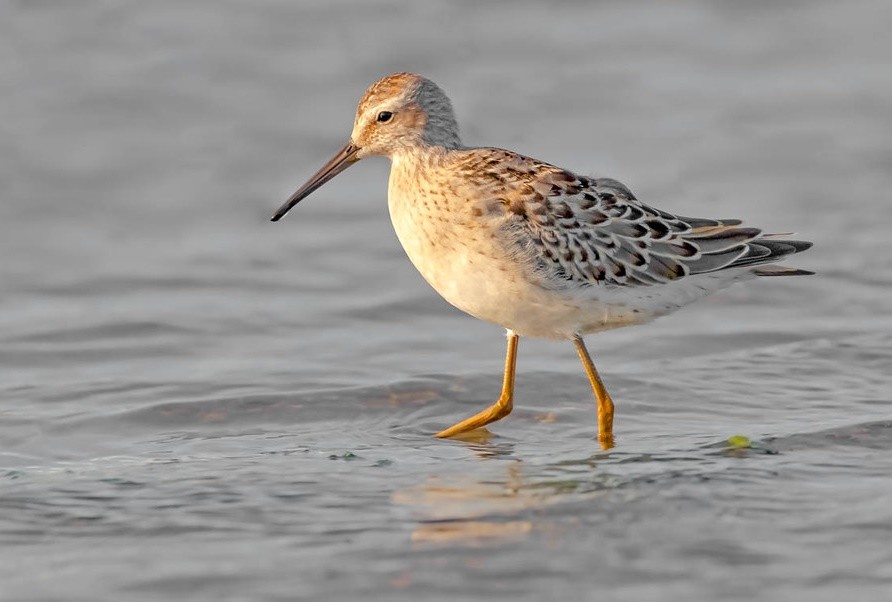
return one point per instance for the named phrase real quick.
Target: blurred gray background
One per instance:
(196, 403)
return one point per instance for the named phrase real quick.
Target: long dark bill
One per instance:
(341, 161)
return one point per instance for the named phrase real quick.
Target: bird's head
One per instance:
(397, 114)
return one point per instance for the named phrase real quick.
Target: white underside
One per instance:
(504, 296)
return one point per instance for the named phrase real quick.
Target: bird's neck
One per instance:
(413, 171)
(419, 157)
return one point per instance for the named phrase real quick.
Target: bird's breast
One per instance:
(461, 253)
(457, 256)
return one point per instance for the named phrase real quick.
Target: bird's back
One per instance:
(594, 231)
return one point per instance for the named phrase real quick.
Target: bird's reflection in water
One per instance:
(461, 509)
(497, 505)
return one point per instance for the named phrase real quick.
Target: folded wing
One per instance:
(593, 231)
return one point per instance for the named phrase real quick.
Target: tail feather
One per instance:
(723, 245)
(777, 249)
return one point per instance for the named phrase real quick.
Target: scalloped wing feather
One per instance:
(593, 231)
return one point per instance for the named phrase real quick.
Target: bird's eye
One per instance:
(384, 116)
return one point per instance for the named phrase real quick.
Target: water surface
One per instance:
(197, 404)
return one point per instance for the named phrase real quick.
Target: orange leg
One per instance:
(605, 404)
(502, 407)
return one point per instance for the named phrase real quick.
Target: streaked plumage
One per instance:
(532, 247)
